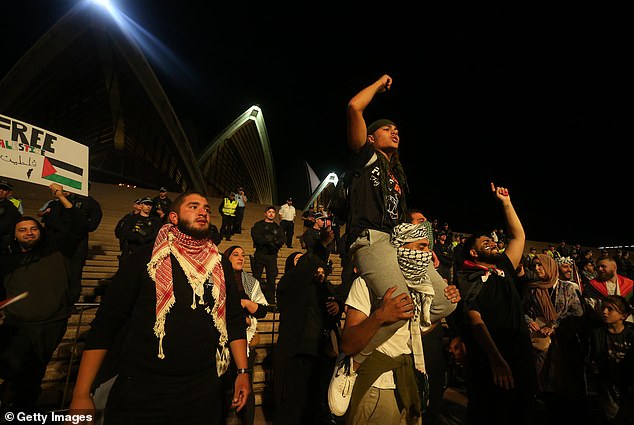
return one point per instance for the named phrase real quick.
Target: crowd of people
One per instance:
(531, 335)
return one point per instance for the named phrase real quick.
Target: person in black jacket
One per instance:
(54, 223)
(301, 368)
(140, 229)
(183, 318)
(8, 215)
(312, 237)
(33, 327)
(268, 237)
(118, 229)
(162, 205)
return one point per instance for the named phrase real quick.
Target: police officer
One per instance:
(8, 216)
(162, 204)
(227, 210)
(139, 229)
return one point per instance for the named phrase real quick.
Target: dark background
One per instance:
(535, 97)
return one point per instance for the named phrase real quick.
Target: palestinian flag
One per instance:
(62, 172)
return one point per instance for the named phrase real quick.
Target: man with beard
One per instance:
(38, 264)
(568, 272)
(182, 320)
(501, 365)
(607, 282)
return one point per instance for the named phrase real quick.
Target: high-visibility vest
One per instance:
(17, 203)
(229, 207)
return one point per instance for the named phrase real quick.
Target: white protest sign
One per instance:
(36, 155)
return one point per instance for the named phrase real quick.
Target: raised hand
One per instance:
(384, 84)
(502, 193)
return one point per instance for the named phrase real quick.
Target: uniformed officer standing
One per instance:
(139, 229)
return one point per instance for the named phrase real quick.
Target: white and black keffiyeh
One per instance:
(564, 260)
(407, 232)
(413, 264)
(252, 288)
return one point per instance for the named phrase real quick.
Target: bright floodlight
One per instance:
(106, 5)
(152, 47)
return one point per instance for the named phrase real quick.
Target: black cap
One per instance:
(146, 200)
(318, 215)
(163, 189)
(6, 185)
(378, 124)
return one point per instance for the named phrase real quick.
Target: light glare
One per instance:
(106, 5)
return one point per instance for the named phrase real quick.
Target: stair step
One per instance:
(97, 275)
(101, 268)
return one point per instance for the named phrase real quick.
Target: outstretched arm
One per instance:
(357, 132)
(515, 248)
(502, 375)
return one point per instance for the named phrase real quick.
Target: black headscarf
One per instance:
(290, 261)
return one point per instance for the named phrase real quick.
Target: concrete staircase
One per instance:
(102, 264)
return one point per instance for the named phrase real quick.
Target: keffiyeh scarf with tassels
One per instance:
(201, 262)
(413, 264)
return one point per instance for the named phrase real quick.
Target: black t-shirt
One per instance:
(191, 337)
(499, 302)
(369, 208)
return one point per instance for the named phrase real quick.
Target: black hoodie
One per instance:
(43, 272)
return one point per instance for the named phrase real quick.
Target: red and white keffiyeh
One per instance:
(201, 262)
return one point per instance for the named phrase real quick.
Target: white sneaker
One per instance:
(341, 385)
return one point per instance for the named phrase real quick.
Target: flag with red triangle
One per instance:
(62, 172)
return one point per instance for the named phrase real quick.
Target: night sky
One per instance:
(534, 97)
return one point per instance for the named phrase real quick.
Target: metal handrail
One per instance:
(77, 308)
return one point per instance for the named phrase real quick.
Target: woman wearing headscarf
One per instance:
(254, 305)
(549, 302)
(291, 261)
(299, 357)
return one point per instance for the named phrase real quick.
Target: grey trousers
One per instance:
(374, 256)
